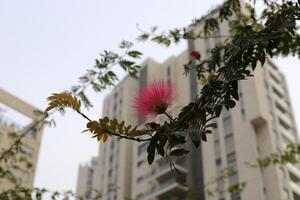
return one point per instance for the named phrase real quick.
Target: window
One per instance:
(142, 148)
(227, 125)
(283, 124)
(277, 93)
(26, 150)
(115, 107)
(31, 134)
(219, 167)
(220, 183)
(217, 149)
(116, 95)
(139, 179)
(217, 37)
(216, 133)
(279, 107)
(110, 172)
(242, 103)
(169, 74)
(207, 46)
(139, 196)
(274, 78)
(236, 197)
(140, 163)
(229, 143)
(231, 159)
(22, 175)
(233, 179)
(112, 144)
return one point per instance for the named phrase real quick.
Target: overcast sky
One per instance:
(45, 45)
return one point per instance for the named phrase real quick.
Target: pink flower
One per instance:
(195, 54)
(154, 98)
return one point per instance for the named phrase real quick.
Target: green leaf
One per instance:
(151, 152)
(160, 149)
(135, 54)
(218, 110)
(143, 37)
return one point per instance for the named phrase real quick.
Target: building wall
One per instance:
(114, 166)
(31, 143)
(262, 123)
(87, 180)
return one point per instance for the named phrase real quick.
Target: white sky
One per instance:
(45, 45)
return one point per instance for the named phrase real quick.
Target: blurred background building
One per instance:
(262, 123)
(15, 117)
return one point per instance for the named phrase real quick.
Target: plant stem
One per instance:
(113, 133)
(169, 116)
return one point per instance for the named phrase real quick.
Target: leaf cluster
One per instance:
(58, 100)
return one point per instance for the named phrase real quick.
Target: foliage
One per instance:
(63, 100)
(252, 41)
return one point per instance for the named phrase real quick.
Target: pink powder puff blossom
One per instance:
(154, 98)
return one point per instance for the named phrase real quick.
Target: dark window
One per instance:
(139, 179)
(142, 148)
(112, 144)
(31, 134)
(227, 125)
(169, 74)
(116, 95)
(233, 179)
(142, 83)
(277, 93)
(217, 149)
(236, 197)
(229, 143)
(231, 159)
(140, 163)
(168, 71)
(207, 46)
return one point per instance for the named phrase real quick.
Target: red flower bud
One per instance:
(195, 54)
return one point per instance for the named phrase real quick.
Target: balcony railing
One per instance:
(169, 187)
(295, 187)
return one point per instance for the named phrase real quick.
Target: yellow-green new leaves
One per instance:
(98, 130)
(104, 127)
(58, 100)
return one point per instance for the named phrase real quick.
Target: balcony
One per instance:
(287, 134)
(295, 188)
(281, 102)
(295, 170)
(274, 73)
(165, 172)
(278, 88)
(285, 119)
(170, 188)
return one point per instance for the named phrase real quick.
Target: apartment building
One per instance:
(22, 116)
(86, 180)
(262, 123)
(115, 155)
